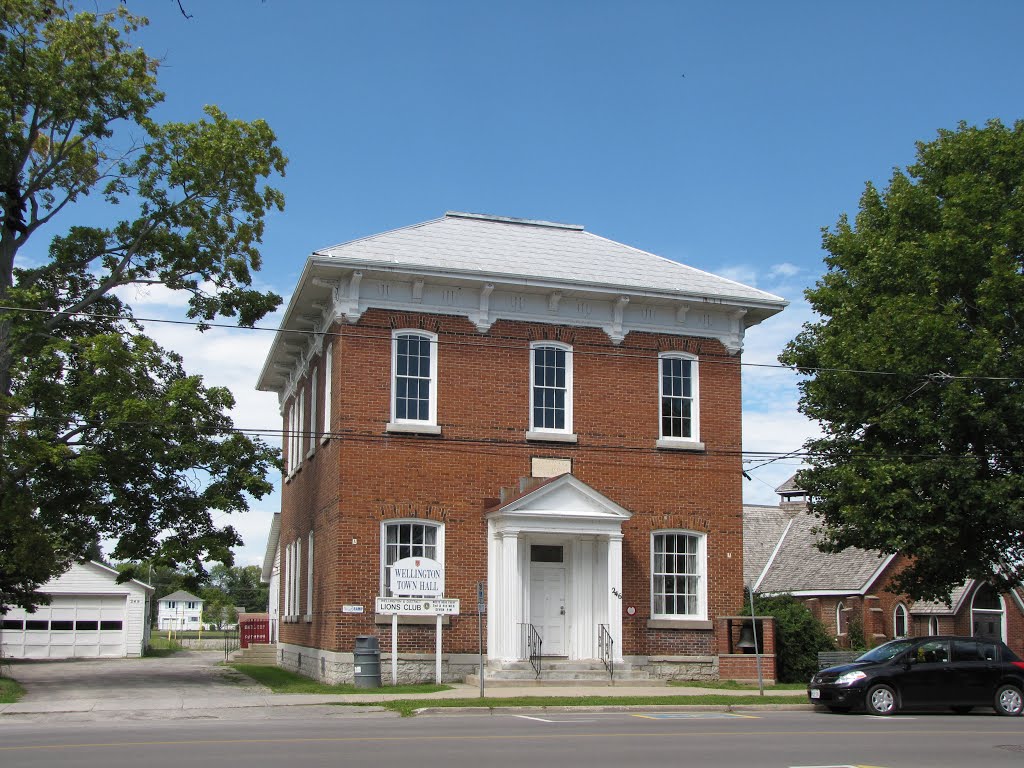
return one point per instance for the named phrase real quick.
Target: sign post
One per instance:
(424, 578)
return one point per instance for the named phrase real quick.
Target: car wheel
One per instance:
(961, 710)
(839, 710)
(1009, 701)
(880, 700)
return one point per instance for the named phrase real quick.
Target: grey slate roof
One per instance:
(938, 608)
(762, 528)
(502, 246)
(798, 565)
(180, 595)
(790, 488)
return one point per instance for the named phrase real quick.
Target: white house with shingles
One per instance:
(89, 615)
(179, 610)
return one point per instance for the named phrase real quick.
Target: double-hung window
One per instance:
(678, 575)
(414, 379)
(408, 538)
(679, 405)
(325, 420)
(551, 388)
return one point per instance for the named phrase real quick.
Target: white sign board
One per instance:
(419, 576)
(418, 606)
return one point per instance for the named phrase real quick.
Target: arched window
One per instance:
(899, 621)
(988, 615)
(841, 619)
(933, 625)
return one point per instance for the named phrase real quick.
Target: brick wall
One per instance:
(363, 475)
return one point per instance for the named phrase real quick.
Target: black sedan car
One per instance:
(958, 673)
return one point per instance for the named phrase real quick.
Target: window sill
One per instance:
(324, 439)
(310, 453)
(413, 429)
(679, 445)
(679, 624)
(308, 618)
(551, 437)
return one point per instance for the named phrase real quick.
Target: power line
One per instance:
(706, 358)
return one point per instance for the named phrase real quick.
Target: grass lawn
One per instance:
(732, 685)
(406, 707)
(161, 646)
(282, 681)
(10, 690)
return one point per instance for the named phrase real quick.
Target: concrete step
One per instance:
(560, 671)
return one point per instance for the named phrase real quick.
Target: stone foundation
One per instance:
(677, 667)
(333, 668)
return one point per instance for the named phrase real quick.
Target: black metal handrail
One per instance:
(605, 645)
(532, 646)
(232, 642)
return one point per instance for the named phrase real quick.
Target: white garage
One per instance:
(90, 616)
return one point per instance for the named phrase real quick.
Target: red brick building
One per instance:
(848, 591)
(537, 408)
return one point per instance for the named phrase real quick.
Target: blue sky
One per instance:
(723, 135)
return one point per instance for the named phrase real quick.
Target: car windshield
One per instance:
(887, 651)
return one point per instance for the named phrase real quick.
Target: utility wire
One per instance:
(515, 343)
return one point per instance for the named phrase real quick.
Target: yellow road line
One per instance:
(495, 737)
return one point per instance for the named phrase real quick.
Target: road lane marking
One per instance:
(696, 716)
(535, 736)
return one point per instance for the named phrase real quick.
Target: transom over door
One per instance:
(547, 605)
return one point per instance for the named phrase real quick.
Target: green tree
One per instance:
(104, 434)
(927, 285)
(242, 584)
(798, 637)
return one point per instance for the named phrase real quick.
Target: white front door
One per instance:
(547, 605)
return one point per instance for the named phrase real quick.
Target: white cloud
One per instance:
(785, 269)
(740, 273)
(771, 422)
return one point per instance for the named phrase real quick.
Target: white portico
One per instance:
(554, 560)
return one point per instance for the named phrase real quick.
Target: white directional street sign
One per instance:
(418, 606)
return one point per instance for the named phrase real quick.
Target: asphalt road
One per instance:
(532, 739)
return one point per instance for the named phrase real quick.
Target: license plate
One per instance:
(815, 693)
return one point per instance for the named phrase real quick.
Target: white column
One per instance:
(511, 586)
(615, 592)
(494, 592)
(584, 612)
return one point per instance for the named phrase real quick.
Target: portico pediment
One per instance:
(564, 503)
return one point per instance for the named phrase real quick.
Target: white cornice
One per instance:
(328, 291)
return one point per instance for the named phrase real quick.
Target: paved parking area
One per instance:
(177, 677)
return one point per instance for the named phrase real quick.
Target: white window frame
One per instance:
(535, 346)
(900, 609)
(309, 578)
(694, 438)
(438, 546)
(701, 575)
(431, 338)
(300, 426)
(328, 391)
(841, 630)
(312, 414)
(933, 625)
(289, 417)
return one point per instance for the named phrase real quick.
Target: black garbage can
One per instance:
(366, 662)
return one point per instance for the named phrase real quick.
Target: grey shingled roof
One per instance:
(180, 595)
(799, 566)
(762, 528)
(938, 608)
(521, 248)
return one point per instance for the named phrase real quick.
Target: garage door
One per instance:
(67, 628)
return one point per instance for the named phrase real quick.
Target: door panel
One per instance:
(547, 606)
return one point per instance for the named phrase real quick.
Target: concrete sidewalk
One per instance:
(176, 705)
